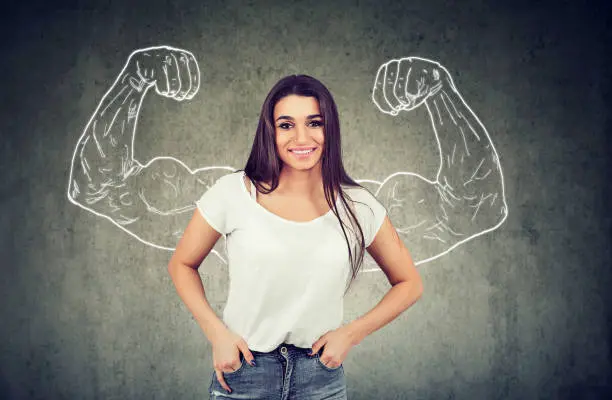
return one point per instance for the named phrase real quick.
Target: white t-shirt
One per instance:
(286, 278)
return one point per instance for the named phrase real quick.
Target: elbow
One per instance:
(175, 265)
(172, 264)
(419, 289)
(495, 215)
(416, 287)
(413, 289)
(73, 192)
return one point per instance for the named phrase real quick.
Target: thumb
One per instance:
(244, 348)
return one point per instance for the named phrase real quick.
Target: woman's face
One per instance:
(299, 126)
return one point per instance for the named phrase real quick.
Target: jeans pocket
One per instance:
(238, 369)
(325, 366)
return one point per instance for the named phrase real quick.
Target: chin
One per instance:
(301, 166)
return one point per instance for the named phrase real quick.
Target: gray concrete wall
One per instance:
(88, 311)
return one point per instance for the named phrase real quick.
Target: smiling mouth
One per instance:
(303, 151)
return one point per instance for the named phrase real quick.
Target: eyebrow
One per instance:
(291, 118)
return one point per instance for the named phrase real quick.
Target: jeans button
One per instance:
(283, 350)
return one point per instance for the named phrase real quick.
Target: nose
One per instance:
(302, 134)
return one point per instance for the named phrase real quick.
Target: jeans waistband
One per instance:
(291, 348)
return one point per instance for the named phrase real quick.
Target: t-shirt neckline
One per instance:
(278, 217)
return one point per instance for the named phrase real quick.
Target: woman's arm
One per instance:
(394, 259)
(406, 288)
(197, 241)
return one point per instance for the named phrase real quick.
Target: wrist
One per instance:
(131, 76)
(214, 331)
(356, 332)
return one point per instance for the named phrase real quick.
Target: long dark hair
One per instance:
(264, 163)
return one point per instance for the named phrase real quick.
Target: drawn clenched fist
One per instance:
(174, 72)
(406, 83)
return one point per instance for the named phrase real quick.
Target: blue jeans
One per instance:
(285, 373)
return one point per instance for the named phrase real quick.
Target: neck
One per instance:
(301, 183)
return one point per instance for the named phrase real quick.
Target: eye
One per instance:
(316, 123)
(284, 125)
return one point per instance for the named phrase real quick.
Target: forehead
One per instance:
(296, 106)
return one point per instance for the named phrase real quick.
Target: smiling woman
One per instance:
(300, 112)
(300, 135)
(296, 228)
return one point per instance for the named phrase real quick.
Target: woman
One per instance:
(296, 224)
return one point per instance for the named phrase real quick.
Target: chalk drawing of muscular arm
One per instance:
(466, 199)
(154, 201)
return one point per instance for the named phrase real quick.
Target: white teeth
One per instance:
(302, 151)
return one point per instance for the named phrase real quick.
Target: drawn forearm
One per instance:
(468, 159)
(469, 174)
(104, 156)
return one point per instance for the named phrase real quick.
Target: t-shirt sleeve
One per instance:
(372, 214)
(213, 205)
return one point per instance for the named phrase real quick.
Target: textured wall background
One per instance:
(523, 312)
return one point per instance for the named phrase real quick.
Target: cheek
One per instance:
(321, 136)
(281, 144)
(280, 141)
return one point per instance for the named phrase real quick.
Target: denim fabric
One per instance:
(285, 373)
